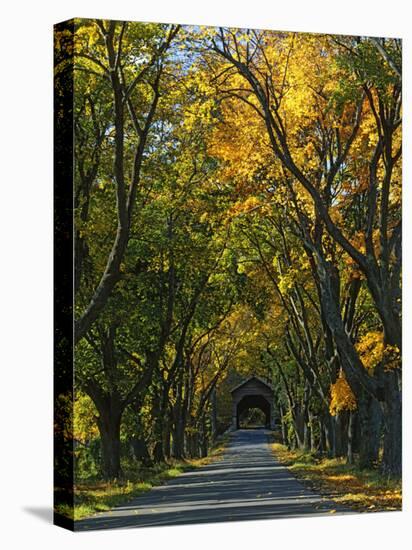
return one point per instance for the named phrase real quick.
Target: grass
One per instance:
(92, 497)
(345, 484)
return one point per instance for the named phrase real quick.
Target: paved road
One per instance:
(246, 484)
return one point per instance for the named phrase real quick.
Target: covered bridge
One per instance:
(253, 393)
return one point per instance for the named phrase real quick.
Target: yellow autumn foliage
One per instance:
(371, 348)
(84, 418)
(372, 351)
(342, 397)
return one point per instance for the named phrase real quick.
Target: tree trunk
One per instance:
(329, 435)
(140, 450)
(362, 384)
(312, 432)
(166, 437)
(370, 420)
(392, 445)
(322, 436)
(306, 437)
(213, 414)
(109, 427)
(305, 417)
(338, 433)
(178, 450)
(204, 438)
(283, 427)
(157, 414)
(298, 424)
(351, 426)
(191, 444)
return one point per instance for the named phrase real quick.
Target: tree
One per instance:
(237, 212)
(317, 130)
(130, 84)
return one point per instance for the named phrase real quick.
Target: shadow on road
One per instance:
(246, 484)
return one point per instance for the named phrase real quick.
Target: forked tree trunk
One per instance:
(370, 412)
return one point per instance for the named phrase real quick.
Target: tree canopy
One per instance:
(237, 211)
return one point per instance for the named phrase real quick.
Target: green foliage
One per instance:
(221, 274)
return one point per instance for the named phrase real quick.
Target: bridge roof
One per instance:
(254, 377)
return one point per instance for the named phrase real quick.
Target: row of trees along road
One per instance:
(237, 202)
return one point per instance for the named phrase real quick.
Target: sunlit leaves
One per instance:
(342, 397)
(84, 419)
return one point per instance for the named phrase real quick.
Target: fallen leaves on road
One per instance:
(362, 490)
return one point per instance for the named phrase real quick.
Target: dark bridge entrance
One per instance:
(253, 393)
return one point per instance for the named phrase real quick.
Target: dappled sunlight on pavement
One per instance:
(247, 483)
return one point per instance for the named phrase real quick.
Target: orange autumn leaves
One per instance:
(373, 352)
